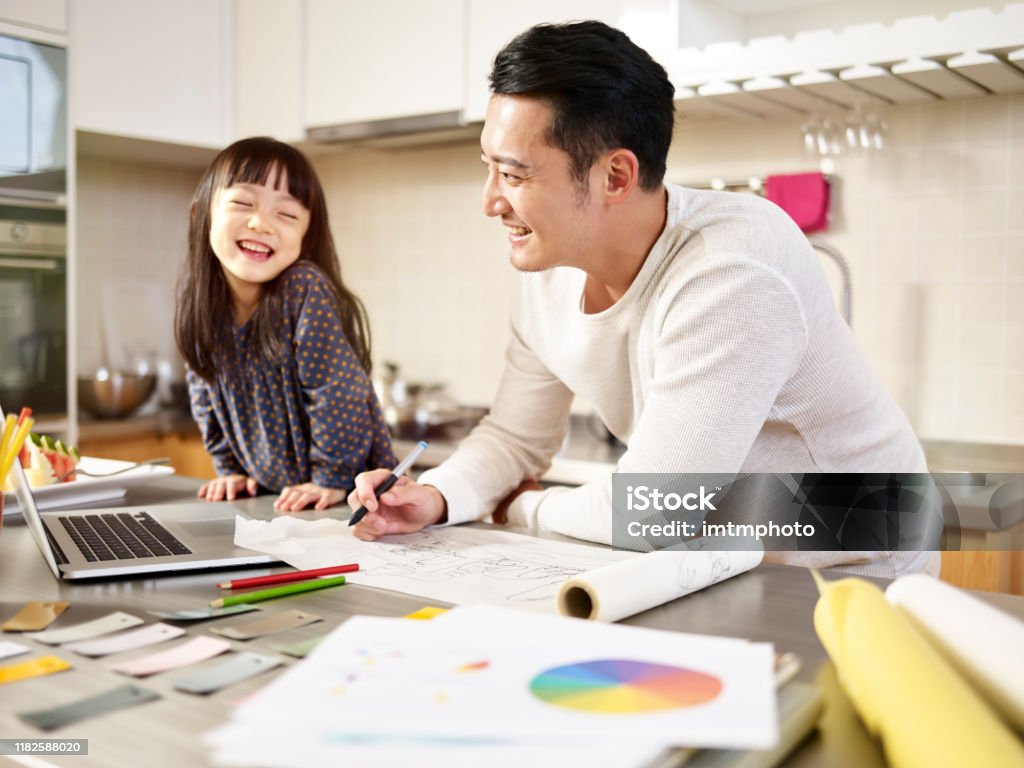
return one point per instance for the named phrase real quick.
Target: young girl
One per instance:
(277, 348)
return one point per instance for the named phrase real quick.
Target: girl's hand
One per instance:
(296, 497)
(228, 487)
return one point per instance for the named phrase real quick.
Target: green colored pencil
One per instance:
(267, 594)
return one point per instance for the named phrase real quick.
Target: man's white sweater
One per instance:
(726, 354)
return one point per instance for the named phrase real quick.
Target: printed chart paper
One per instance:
(377, 686)
(456, 565)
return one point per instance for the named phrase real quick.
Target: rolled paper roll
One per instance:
(631, 586)
(906, 693)
(984, 644)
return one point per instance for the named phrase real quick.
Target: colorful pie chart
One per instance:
(622, 686)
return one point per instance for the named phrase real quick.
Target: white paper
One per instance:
(455, 565)
(247, 745)
(462, 687)
(310, 748)
(623, 589)
(983, 643)
(467, 617)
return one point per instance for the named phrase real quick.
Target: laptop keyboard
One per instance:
(121, 536)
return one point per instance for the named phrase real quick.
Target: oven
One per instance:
(33, 307)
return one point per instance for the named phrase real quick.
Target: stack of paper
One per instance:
(491, 686)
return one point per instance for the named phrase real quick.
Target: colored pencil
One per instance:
(284, 578)
(268, 594)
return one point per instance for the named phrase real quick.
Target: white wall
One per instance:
(932, 227)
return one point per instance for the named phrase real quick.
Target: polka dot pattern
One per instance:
(311, 417)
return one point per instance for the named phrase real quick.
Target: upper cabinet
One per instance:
(157, 71)
(369, 60)
(491, 25)
(269, 54)
(205, 72)
(798, 56)
(45, 21)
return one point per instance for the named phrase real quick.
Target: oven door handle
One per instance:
(45, 265)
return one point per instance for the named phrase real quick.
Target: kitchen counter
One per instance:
(164, 421)
(584, 456)
(586, 453)
(773, 603)
(169, 433)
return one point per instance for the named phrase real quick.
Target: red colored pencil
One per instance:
(280, 578)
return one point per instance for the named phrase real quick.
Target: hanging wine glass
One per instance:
(809, 132)
(875, 129)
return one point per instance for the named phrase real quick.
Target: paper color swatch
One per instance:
(126, 641)
(34, 617)
(45, 665)
(112, 622)
(190, 652)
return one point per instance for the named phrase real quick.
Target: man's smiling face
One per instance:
(548, 214)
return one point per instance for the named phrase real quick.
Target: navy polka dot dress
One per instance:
(310, 417)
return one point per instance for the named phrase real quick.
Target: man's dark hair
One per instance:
(604, 90)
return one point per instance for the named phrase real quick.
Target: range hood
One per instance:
(433, 128)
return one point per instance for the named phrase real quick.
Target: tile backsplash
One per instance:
(132, 230)
(931, 226)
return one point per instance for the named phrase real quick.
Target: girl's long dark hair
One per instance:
(203, 321)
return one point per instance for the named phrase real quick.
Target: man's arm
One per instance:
(516, 441)
(525, 428)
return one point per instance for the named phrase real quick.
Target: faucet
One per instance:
(844, 272)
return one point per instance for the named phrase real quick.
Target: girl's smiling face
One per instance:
(256, 233)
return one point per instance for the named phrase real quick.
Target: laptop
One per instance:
(130, 541)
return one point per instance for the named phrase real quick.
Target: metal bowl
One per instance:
(114, 394)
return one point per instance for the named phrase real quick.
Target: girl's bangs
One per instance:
(263, 165)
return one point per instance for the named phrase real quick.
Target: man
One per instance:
(698, 324)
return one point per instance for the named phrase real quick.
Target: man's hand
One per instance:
(228, 487)
(500, 514)
(405, 508)
(296, 497)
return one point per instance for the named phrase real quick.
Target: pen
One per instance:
(396, 473)
(267, 594)
(281, 578)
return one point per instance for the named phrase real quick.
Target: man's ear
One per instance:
(621, 174)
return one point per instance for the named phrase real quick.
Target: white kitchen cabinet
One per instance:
(884, 48)
(649, 23)
(383, 59)
(269, 55)
(43, 20)
(157, 71)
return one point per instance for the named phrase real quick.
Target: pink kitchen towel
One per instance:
(804, 196)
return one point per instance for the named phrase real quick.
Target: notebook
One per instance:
(129, 541)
